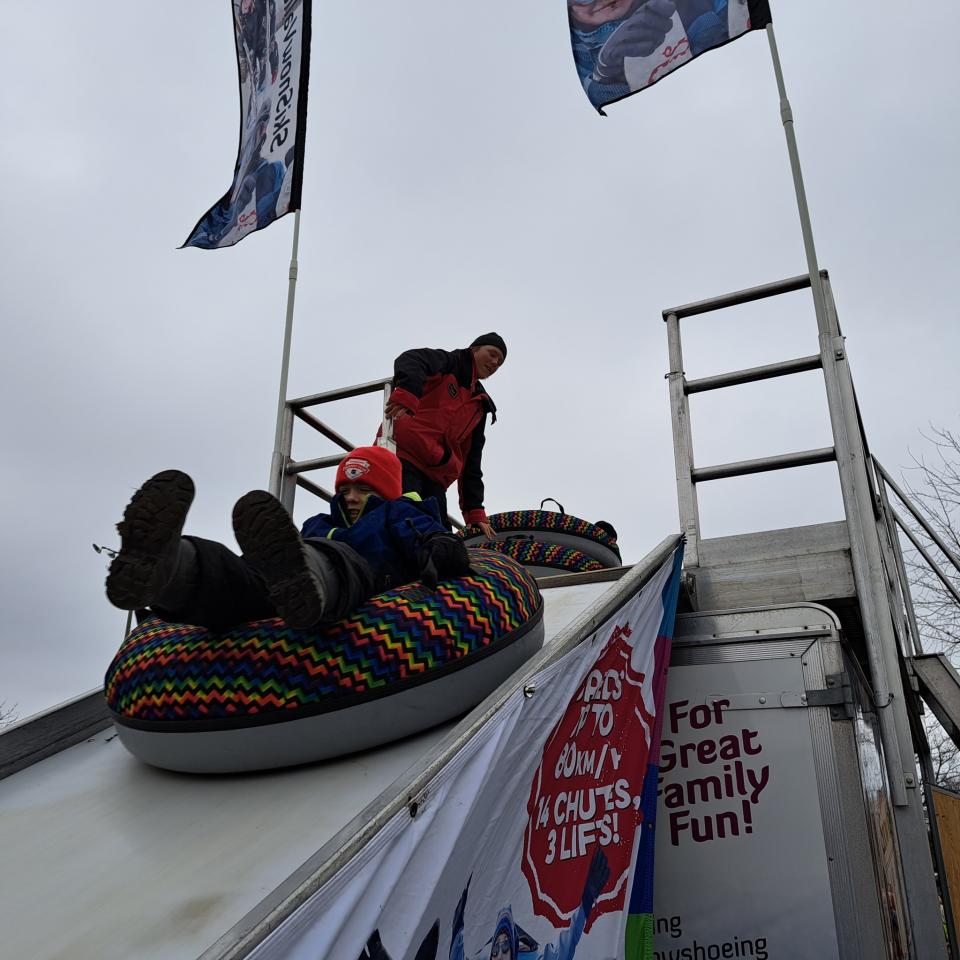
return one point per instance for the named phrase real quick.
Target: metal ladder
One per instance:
(871, 558)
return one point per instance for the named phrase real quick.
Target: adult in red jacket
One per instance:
(439, 408)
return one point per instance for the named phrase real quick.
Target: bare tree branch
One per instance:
(933, 483)
(8, 715)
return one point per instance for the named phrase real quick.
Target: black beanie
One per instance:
(491, 340)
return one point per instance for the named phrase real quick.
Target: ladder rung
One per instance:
(370, 387)
(321, 427)
(315, 489)
(740, 296)
(752, 374)
(763, 464)
(302, 466)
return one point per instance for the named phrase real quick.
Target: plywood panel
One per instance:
(947, 806)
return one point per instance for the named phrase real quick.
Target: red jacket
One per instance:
(445, 436)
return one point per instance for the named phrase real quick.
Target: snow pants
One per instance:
(416, 481)
(215, 588)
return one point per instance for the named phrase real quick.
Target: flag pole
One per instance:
(786, 114)
(278, 461)
(866, 553)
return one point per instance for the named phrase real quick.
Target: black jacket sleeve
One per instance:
(471, 477)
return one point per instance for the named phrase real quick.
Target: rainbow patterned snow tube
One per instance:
(548, 543)
(264, 695)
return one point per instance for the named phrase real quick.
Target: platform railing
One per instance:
(895, 524)
(872, 560)
(891, 525)
(288, 474)
(689, 475)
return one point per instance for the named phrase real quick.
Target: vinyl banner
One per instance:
(535, 839)
(623, 46)
(273, 57)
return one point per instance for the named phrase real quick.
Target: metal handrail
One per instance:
(905, 500)
(781, 461)
(753, 374)
(689, 475)
(935, 567)
(894, 521)
(341, 393)
(285, 480)
(285, 473)
(740, 296)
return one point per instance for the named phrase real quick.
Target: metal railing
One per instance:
(287, 474)
(894, 524)
(689, 475)
(882, 592)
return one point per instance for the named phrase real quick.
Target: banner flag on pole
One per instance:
(621, 47)
(535, 840)
(273, 59)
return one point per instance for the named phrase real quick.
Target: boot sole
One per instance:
(271, 544)
(149, 536)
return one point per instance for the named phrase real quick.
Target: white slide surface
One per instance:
(108, 859)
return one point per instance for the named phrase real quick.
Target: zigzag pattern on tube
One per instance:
(547, 520)
(533, 553)
(170, 671)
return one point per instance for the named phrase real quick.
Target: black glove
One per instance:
(637, 36)
(442, 556)
(597, 876)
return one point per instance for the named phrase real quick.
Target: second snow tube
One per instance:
(551, 528)
(543, 559)
(264, 695)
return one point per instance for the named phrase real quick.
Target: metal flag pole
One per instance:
(868, 569)
(786, 114)
(277, 462)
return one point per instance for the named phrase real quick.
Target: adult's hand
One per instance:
(637, 36)
(487, 529)
(395, 410)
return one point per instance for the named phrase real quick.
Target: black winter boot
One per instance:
(149, 540)
(272, 545)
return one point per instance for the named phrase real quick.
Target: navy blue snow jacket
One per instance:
(387, 534)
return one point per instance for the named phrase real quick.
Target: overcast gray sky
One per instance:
(456, 181)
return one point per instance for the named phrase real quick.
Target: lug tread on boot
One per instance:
(272, 544)
(149, 540)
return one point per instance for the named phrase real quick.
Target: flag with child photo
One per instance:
(273, 59)
(621, 47)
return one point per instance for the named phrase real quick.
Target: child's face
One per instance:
(599, 11)
(354, 498)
